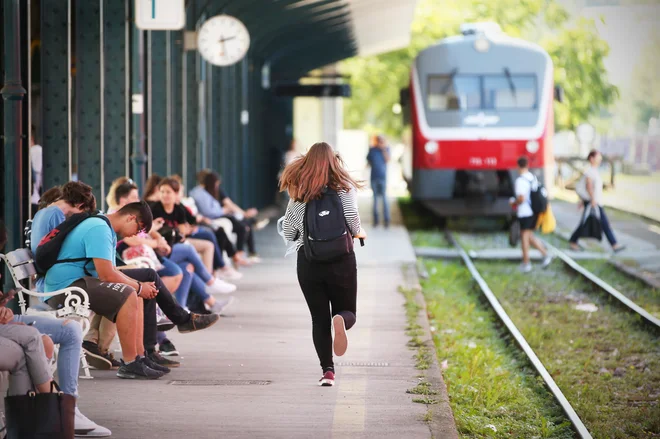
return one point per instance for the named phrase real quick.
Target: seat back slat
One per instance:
(18, 257)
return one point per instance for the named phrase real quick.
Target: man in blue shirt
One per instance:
(378, 157)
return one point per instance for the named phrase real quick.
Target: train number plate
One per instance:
(483, 161)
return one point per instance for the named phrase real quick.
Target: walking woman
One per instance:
(330, 286)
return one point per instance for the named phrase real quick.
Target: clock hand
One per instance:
(222, 40)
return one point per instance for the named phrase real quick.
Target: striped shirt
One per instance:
(295, 216)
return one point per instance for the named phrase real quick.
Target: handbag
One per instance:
(591, 226)
(41, 415)
(142, 251)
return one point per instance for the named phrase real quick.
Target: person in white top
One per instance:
(592, 195)
(523, 190)
(36, 162)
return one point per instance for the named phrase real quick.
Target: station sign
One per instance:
(160, 14)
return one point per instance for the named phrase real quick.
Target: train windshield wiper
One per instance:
(512, 87)
(450, 81)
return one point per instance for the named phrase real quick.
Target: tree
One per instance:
(646, 85)
(576, 52)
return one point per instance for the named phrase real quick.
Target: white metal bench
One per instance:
(20, 265)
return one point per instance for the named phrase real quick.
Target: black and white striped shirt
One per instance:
(293, 226)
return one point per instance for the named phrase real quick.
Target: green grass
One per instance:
(489, 381)
(636, 290)
(607, 363)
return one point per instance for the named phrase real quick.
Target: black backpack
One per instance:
(538, 197)
(50, 245)
(327, 237)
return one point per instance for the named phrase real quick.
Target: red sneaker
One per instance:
(328, 379)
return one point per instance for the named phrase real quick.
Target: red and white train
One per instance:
(477, 102)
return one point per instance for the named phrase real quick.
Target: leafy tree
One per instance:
(646, 85)
(576, 51)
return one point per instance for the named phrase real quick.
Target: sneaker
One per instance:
(547, 261)
(111, 358)
(95, 357)
(220, 287)
(151, 364)
(163, 323)
(619, 248)
(84, 427)
(167, 349)
(340, 340)
(220, 305)
(198, 322)
(254, 259)
(525, 268)
(328, 379)
(228, 273)
(162, 361)
(261, 224)
(82, 424)
(138, 370)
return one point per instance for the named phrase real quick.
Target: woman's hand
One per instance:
(157, 224)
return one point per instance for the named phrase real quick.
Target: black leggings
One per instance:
(244, 235)
(329, 289)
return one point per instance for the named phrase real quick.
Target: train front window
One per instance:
(509, 92)
(454, 92)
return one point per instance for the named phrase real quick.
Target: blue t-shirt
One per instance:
(44, 221)
(376, 159)
(90, 239)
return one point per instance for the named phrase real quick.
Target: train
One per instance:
(476, 102)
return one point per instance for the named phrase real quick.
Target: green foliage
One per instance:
(646, 85)
(576, 51)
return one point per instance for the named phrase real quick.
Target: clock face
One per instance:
(223, 40)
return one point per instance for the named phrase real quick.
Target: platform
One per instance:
(255, 373)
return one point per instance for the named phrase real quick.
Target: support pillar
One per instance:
(138, 119)
(190, 109)
(158, 144)
(13, 94)
(89, 111)
(56, 91)
(116, 90)
(175, 105)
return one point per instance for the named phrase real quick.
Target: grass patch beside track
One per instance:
(607, 363)
(492, 389)
(636, 290)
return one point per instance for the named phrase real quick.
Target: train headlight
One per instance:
(481, 45)
(431, 147)
(532, 146)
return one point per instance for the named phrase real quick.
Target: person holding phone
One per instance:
(329, 287)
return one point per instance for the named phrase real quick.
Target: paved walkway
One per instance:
(641, 237)
(254, 374)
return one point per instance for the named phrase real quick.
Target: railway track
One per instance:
(571, 414)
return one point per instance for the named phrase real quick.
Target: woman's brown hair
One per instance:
(151, 185)
(210, 183)
(307, 175)
(171, 182)
(119, 188)
(49, 197)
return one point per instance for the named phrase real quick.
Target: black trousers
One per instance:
(164, 299)
(329, 289)
(243, 231)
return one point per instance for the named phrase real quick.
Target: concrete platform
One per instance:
(641, 237)
(255, 373)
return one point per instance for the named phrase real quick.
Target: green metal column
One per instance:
(89, 113)
(189, 108)
(56, 91)
(116, 89)
(175, 105)
(160, 154)
(12, 94)
(138, 120)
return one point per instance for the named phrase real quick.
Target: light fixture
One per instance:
(431, 147)
(532, 146)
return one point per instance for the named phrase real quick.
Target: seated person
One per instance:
(213, 203)
(185, 321)
(65, 333)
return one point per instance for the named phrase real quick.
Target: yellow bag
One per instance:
(547, 221)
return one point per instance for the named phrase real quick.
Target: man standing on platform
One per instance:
(378, 157)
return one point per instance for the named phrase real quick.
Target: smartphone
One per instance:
(31, 323)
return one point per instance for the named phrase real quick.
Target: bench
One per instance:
(20, 265)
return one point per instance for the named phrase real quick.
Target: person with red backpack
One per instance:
(322, 219)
